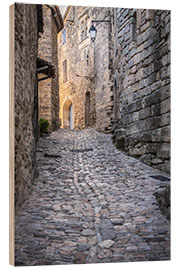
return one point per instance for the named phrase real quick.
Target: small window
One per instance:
(84, 29)
(64, 70)
(64, 36)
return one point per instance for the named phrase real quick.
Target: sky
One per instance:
(62, 10)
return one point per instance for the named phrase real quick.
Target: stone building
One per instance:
(142, 85)
(26, 45)
(29, 21)
(86, 81)
(48, 86)
(121, 82)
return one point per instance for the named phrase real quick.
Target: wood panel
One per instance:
(11, 138)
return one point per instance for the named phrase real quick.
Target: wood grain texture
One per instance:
(11, 137)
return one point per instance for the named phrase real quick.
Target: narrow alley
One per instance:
(90, 204)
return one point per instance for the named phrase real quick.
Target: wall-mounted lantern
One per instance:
(93, 31)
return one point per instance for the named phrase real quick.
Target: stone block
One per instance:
(165, 134)
(140, 39)
(146, 158)
(119, 142)
(163, 72)
(147, 91)
(165, 60)
(144, 113)
(156, 135)
(152, 123)
(156, 161)
(130, 63)
(139, 149)
(134, 106)
(165, 119)
(150, 14)
(143, 83)
(165, 106)
(152, 99)
(135, 87)
(155, 110)
(163, 198)
(167, 166)
(164, 151)
(137, 58)
(135, 116)
(146, 136)
(138, 94)
(132, 70)
(135, 127)
(165, 92)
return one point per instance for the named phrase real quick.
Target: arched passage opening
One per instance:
(68, 114)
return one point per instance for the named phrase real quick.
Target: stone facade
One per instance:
(26, 44)
(103, 68)
(30, 22)
(49, 89)
(85, 70)
(142, 85)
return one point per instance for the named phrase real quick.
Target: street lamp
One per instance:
(93, 31)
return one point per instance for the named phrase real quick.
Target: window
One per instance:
(84, 29)
(64, 36)
(86, 56)
(64, 70)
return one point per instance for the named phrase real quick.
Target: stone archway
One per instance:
(68, 114)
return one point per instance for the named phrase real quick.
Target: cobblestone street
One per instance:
(90, 204)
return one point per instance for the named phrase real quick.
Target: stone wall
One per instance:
(142, 85)
(80, 72)
(26, 44)
(89, 69)
(103, 68)
(49, 88)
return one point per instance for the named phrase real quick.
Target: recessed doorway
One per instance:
(68, 114)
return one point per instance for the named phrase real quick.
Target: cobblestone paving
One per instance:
(90, 204)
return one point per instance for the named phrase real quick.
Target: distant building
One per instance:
(85, 84)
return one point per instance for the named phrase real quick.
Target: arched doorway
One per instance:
(68, 114)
